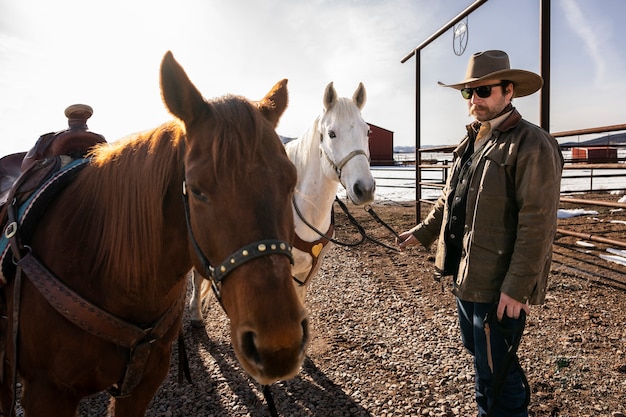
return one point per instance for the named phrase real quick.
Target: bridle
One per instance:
(339, 165)
(337, 168)
(216, 275)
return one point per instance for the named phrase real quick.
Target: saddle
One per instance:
(73, 142)
(38, 175)
(29, 181)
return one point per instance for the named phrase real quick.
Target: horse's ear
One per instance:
(273, 105)
(359, 97)
(330, 96)
(180, 96)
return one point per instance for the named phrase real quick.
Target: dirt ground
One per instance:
(574, 350)
(385, 340)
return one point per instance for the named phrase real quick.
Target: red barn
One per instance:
(381, 146)
(595, 154)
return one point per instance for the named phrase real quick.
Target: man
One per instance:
(495, 223)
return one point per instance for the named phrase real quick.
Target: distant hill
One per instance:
(612, 139)
(286, 139)
(618, 138)
(411, 149)
(403, 149)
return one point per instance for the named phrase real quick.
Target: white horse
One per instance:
(334, 150)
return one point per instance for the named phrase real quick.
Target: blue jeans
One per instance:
(512, 393)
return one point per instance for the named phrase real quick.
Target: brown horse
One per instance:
(122, 235)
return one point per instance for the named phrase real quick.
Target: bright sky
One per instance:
(107, 54)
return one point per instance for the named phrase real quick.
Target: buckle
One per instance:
(10, 230)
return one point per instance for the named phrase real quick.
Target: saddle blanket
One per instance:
(32, 208)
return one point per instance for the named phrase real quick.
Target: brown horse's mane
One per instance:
(121, 196)
(123, 191)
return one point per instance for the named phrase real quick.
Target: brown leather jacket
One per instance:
(510, 217)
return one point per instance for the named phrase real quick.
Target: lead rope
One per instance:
(324, 235)
(371, 211)
(270, 400)
(362, 229)
(337, 168)
(352, 220)
(510, 359)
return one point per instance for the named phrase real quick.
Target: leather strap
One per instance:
(63, 299)
(314, 249)
(78, 310)
(100, 323)
(249, 252)
(17, 301)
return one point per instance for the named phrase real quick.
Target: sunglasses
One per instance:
(483, 91)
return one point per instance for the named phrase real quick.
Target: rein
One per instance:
(356, 224)
(337, 168)
(510, 359)
(372, 213)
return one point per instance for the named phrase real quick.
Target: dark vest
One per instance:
(457, 203)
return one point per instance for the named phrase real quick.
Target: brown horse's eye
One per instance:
(198, 195)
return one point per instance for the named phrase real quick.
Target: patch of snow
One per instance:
(612, 258)
(585, 244)
(618, 252)
(566, 214)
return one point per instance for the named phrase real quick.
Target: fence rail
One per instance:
(579, 175)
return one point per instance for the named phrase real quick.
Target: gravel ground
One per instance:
(385, 342)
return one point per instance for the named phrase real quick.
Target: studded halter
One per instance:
(216, 275)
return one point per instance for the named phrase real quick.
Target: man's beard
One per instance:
(480, 113)
(484, 113)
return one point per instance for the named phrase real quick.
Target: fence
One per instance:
(431, 167)
(579, 175)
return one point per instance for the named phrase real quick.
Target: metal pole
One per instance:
(441, 31)
(416, 52)
(603, 129)
(596, 238)
(544, 100)
(592, 202)
(418, 138)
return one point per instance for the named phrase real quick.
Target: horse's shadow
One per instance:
(311, 393)
(321, 391)
(197, 340)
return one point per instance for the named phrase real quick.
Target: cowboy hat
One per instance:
(494, 65)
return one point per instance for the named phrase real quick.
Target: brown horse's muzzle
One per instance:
(273, 355)
(269, 324)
